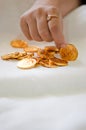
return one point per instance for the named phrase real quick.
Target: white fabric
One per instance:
(48, 113)
(58, 110)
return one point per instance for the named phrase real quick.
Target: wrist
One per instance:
(47, 2)
(66, 6)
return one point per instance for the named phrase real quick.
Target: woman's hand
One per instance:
(35, 25)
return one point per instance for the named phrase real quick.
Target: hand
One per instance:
(35, 26)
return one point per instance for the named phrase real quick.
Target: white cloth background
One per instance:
(48, 113)
(10, 11)
(59, 112)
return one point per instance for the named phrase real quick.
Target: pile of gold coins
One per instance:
(33, 56)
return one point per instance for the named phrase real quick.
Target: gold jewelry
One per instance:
(49, 17)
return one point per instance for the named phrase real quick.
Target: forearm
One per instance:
(65, 6)
(47, 2)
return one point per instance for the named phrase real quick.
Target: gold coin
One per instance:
(19, 44)
(31, 49)
(27, 63)
(58, 62)
(69, 53)
(51, 49)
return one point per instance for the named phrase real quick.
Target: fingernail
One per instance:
(63, 45)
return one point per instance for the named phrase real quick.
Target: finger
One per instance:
(56, 30)
(33, 30)
(25, 28)
(43, 29)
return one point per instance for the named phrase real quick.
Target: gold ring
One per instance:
(49, 17)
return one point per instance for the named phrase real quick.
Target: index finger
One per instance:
(56, 29)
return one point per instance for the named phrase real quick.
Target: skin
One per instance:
(34, 22)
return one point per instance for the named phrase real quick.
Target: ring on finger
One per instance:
(50, 17)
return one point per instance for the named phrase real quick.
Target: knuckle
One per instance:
(27, 17)
(43, 32)
(45, 35)
(52, 9)
(53, 27)
(39, 11)
(32, 35)
(22, 18)
(22, 21)
(35, 37)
